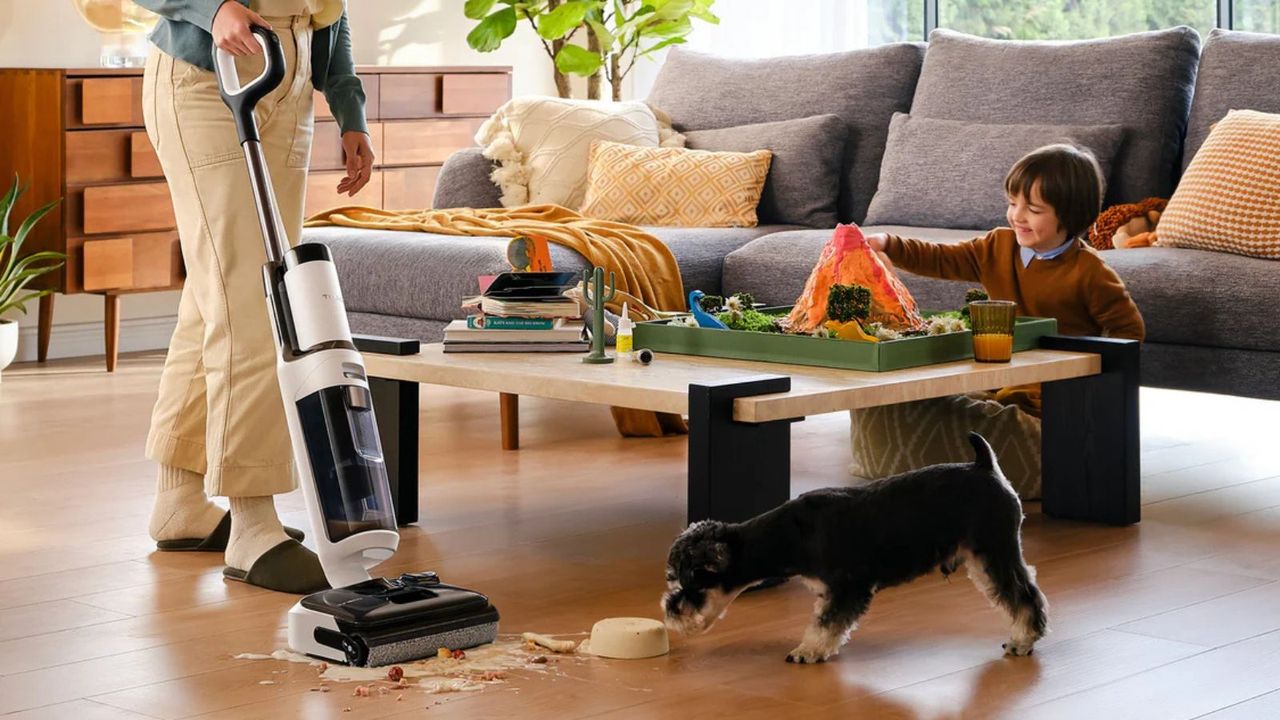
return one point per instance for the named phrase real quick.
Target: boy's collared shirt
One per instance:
(1028, 254)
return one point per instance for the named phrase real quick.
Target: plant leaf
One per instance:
(477, 9)
(489, 34)
(6, 205)
(21, 305)
(606, 38)
(578, 60)
(561, 21)
(23, 230)
(665, 43)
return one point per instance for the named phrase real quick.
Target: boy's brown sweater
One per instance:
(1077, 287)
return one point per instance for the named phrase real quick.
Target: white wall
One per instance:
(49, 33)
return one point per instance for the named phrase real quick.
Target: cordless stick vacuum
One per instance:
(329, 410)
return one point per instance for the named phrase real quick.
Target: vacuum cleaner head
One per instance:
(381, 621)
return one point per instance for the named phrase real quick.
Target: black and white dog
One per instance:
(847, 543)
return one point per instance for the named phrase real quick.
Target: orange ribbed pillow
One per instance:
(674, 186)
(1229, 197)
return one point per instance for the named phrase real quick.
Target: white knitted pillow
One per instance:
(542, 144)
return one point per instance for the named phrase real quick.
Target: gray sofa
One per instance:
(1207, 314)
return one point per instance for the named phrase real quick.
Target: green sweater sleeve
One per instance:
(197, 12)
(949, 261)
(342, 88)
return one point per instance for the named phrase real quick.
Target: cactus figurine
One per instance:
(594, 292)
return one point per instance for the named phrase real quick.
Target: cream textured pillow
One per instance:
(541, 144)
(674, 186)
(1229, 197)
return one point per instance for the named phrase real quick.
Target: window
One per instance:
(1256, 15)
(1075, 19)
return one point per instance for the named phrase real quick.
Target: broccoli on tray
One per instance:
(848, 302)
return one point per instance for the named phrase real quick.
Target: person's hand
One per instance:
(231, 29)
(358, 154)
(877, 241)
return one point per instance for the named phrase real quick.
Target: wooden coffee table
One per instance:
(740, 413)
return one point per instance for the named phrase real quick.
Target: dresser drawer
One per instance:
(100, 101)
(371, 85)
(138, 207)
(473, 93)
(409, 96)
(326, 146)
(138, 262)
(322, 192)
(409, 188)
(427, 141)
(97, 156)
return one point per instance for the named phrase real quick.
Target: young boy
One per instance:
(1039, 262)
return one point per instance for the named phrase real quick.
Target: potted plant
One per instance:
(617, 33)
(17, 271)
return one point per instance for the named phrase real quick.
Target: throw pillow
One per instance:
(950, 174)
(674, 186)
(541, 144)
(803, 187)
(1229, 197)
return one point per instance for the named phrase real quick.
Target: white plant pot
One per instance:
(8, 342)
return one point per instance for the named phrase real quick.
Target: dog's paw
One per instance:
(1018, 649)
(807, 656)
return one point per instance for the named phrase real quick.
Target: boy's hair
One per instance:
(1070, 182)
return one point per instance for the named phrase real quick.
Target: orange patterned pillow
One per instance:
(674, 186)
(1229, 197)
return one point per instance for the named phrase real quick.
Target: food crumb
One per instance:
(395, 673)
(539, 660)
(360, 691)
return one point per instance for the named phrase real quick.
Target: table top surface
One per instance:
(664, 384)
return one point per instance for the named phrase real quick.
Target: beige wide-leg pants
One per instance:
(219, 411)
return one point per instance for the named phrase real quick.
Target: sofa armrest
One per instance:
(464, 182)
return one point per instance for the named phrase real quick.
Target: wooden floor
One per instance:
(1178, 617)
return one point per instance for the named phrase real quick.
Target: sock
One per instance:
(255, 529)
(182, 511)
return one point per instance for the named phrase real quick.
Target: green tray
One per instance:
(659, 336)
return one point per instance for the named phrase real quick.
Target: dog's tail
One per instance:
(984, 457)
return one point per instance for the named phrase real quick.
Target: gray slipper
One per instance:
(216, 541)
(287, 567)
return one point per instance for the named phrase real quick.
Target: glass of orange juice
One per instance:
(992, 322)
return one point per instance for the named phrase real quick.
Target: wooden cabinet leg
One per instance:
(510, 409)
(111, 327)
(45, 328)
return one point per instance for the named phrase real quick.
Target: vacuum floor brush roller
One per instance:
(329, 409)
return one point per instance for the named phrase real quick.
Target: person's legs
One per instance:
(892, 439)
(247, 453)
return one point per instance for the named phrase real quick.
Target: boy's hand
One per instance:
(231, 29)
(877, 241)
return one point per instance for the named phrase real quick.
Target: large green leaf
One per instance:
(665, 43)
(606, 37)
(489, 34)
(671, 9)
(561, 21)
(668, 28)
(24, 273)
(578, 61)
(477, 9)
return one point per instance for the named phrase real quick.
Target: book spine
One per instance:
(490, 322)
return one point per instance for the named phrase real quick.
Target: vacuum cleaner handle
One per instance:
(242, 99)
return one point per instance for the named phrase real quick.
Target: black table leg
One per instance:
(396, 404)
(736, 470)
(1090, 443)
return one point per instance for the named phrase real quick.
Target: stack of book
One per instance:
(521, 319)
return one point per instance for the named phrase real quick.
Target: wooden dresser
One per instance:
(78, 135)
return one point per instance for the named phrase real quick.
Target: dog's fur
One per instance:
(847, 543)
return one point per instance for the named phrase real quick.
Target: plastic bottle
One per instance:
(625, 341)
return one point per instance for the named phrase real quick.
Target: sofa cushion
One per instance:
(862, 87)
(803, 187)
(423, 275)
(1141, 81)
(1199, 297)
(674, 187)
(950, 173)
(774, 268)
(464, 182)
(1237, 72)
